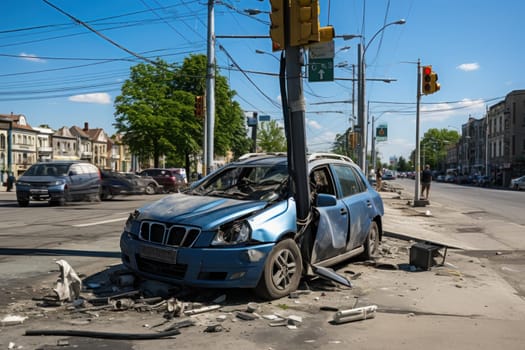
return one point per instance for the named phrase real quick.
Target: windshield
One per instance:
(246, 182)
(47, 170)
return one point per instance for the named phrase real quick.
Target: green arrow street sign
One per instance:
(320, 69)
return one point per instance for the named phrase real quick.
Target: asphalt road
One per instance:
(474, 301)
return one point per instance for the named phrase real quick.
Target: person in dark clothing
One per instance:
(426, 179)
(379, 179)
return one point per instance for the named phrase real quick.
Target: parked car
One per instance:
(58, 182)
(150, 185)
(483, 181)
(518, 183)
(114, 183)
(388, 175)
(237, 227)
(169, 179)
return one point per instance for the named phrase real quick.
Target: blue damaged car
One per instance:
(237, 227)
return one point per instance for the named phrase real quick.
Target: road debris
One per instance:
(11, 320)
(69, 284)
(357, 314)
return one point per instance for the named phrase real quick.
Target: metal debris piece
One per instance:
(122, 304)
(280, 323)
(68, 285)
(213, 328)
(246, 316)
(10, 320)
(252, 307)
(294, 320)
(181, 324)
(360, 313)
(202, 310)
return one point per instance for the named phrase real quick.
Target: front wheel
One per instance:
(282, 271)
(23, 203)
(371, 243)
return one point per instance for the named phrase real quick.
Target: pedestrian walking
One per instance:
(379, 179)
(426, 179)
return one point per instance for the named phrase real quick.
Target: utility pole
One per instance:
(361, 120)
(417, 165)
(210, 92)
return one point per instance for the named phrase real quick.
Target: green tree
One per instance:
(145, 110)
(271, 137)
(155, 112)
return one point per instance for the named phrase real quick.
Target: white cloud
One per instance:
(31, 57)
(467, 67)
(98, 98)
(313, 124)
(444, 111)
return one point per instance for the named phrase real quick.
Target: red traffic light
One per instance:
(427, 70)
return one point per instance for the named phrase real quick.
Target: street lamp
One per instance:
(261, 52)
(361, 93)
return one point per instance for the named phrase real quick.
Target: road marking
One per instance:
(100, 222)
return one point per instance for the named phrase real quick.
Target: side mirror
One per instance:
(325, 200)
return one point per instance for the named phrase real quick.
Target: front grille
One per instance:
(160, 268)
(170, 235)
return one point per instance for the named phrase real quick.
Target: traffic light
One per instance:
(426, 85)
(434, 85)
(304, 22)
(277, 27)
(199, 106)
(429, 83)
(352, 139)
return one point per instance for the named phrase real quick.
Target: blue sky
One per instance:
(59, 73)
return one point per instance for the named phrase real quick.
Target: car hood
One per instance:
(204, 211)
(39, 179)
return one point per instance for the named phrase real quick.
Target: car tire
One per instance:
(371, 243)
(105, 194)
(282, 271)
(23, 203)
(150, 189)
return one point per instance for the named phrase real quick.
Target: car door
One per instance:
(76, 183)
(333, 225)
(357, 201)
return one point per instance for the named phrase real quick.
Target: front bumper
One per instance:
(224, 267)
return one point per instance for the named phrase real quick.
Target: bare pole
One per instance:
(417, 155)
(210, 90)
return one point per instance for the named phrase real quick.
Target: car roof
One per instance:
(276, 158)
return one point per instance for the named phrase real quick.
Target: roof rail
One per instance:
(251, 155)
(321, 155)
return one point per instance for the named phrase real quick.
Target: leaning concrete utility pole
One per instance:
(417, 155)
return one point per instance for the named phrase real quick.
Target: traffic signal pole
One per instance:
(417, 155)
(296, 132)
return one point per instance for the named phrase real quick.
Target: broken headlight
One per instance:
(129, 222)
(232, 233)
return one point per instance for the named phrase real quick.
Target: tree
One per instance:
(145, 109)
(271, 137)
(155, 113)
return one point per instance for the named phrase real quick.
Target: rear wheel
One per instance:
(151, 189)
(371, 243)
(282, 271)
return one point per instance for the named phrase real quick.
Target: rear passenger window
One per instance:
(75, 169)
(349, 180)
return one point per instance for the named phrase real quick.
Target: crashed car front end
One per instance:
(208, 242)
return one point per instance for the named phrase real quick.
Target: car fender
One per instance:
(275, 221)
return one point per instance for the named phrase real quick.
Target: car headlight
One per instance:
(232, 233)
(58, 182)
(21, 183)
(129, 222)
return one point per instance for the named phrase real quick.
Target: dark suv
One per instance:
(59, 182)
(169, 179)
